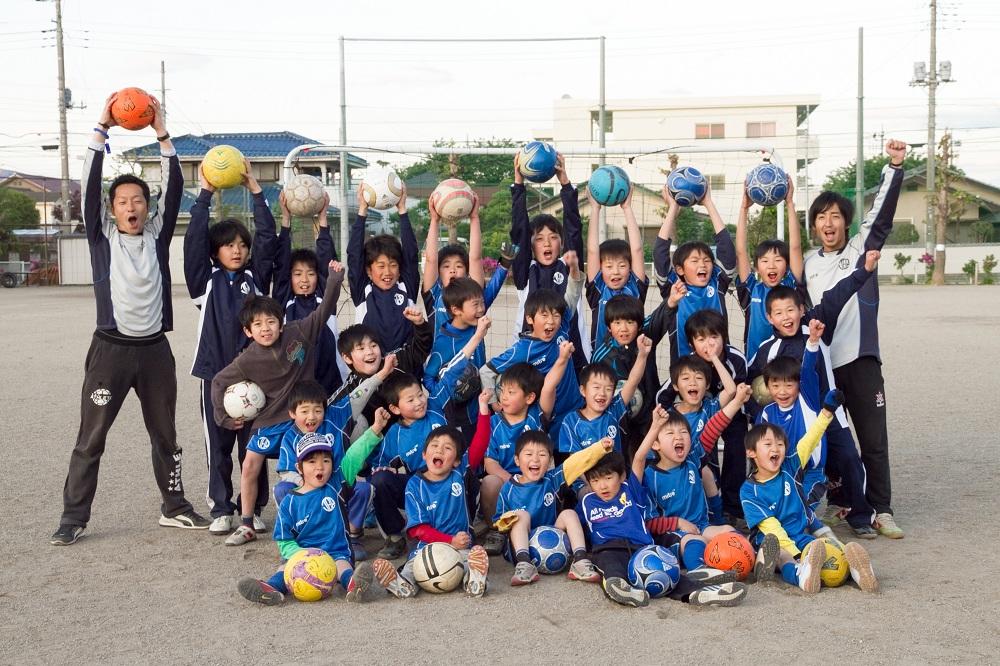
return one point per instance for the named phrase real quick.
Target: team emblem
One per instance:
(101, 397)
(844, 263)
(456, 489)
(710, 291)
(880, 399)
(398, 299)
(549, 499)
(558, 278)
(328, 504)
(612, 431)
(788, 489)
(296, 353)
(245, 288)
(691, 476)
(263, 443)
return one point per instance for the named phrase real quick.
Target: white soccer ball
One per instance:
(438, 568)
(304, 195)
(243, 400)
(635, 404)
(549, 549)
(453, 199)
(381, 188)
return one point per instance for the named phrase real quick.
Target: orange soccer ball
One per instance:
(730, 551)
(133, 109)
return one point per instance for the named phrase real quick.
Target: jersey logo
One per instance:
(701, 424)
(788, 489)
(456, 489)
(101, 397)
(296, 353)
(710, 291)
(328, 504)
(844, 263)
(245, 288)
(612, 431)
(398, 299)
(691, 476)
(504, 447)
(623, 500)
(263, 443)
(560, 339)
(548, 499)
(558, 278)
(432, 506)
(879, 399)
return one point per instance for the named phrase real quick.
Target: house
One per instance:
(44, 191)
(978, 221)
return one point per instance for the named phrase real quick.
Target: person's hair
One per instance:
(706, 322)
(598, 369)
(383, 245)
(532, 437)
(449, 251)
(303, 255)
(756, 433)
(128, 179)
(459, 291)
(225, 232)
(611, 463)
(624, 307)
(395, 384)
(825, 201)
(353, 336)
(544, 300)
(307, 391)
(782, 292)
(449, 431)
(676, 419)
(527, 377)
(771, 245)
(691, 362)
(782, 368)
(256, 306)
(685, 250)
(615, 248)
(546, 221)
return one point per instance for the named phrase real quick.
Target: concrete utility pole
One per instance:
(163, 88)
(602, 229)
(942, 198)
(345, 224)
(859, 167)
(63, 141)
(932, 84)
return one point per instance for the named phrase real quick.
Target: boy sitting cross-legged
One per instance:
(437, 510)
(778, 515)
(528, 500)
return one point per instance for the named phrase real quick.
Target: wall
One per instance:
(955, 258)
(74, 260)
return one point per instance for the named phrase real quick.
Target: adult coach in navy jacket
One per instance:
(129, 255)
(854, 349)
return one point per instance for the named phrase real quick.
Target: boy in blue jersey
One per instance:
(221, 274)
(383, 272)
(547, 314)
(453, 262)
(615, 515)
(528, 500)
(774, 263)
(437, 510)
(678, 511)
(310, 517)
(694, 279)
(400, 455)
(299, 280)
(615, 267)
(777, 512)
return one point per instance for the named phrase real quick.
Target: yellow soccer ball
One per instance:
(310, 574)
(223, 167)
(835, 567)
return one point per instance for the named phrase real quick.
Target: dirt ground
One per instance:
(131, 591)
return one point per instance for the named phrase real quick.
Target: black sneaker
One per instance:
(619, 591)
(189, 520)
(66, 535)
(259, 592)
(394, 548)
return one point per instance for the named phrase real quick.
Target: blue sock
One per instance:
(694, 554)
(715, 510)
(277, 581)
(789, 573)
(345, 578)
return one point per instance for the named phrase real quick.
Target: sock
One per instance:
(790, 573)
(694, 554)
(247, 520)
(715, 516)
(579, 554)
(522, 556)
(345, 578)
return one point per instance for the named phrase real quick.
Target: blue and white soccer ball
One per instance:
(549, 549)
(654, 569)
(686, 185)
(609, 185)
(767, 184)
(537, 161)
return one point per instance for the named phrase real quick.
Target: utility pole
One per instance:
(601, 220)
(859, 167)
(163, 88)
(344, 224)
(942, 200)
(63, 141)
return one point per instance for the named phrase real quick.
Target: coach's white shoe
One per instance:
(259, 525)
(887, 526)
(221, 526)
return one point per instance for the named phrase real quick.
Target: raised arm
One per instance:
(520, 229)
(265, 241)
(197, 251)
(728, 385)
(547, 399)
(634, 239)
(572, 224)
(316, 320)
(476, 244)
(877, 225)
(168, 204)
(809, 387)
(664, 238)
(725, 251)
(91, 192)
(576, 464)
(642, 453)
(281, 287)
(357, 454)
(574, 287)
(480, 440)
(644, 346)
(431, 249)
(593, 238)
(795, 260)
(356, 275)
(409, 270)
(743, 265)
(814, 435)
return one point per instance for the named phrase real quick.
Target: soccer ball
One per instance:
(223, 166)
(760, 393)
(382, 188)
(549, 549)
(654, 569)
(835, 567)
(536, 160)
(730, 551)
(453, 199)
(635, 404)
(438, 568)
(767, 184)
(609, 185)
(133, 109)
(243, 400)
(686, 185)
(304, 195)
(310, 574)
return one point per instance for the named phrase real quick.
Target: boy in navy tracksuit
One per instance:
(221, 274)
(383, 272)
(299, 281)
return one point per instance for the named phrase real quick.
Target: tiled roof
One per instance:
(251, 144)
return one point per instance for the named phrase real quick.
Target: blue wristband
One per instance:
(102, 132)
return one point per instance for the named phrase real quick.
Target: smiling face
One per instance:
(365, 357)
(307, 416)
(264, 329)
(615, 271)
(708, 345)
(597, 394)
(533, 460)
(440, 456)
(784, 391)
(470, 312)
(233, 255)
(785, 316)
(691, 386)
(544, 324)
(771, 267)
(830, 228)
(696, 269)
(383, 272)
(129, 208)
(304, 279)
(768, 453)
(546, 246)
(412, 404)
(673, 443)
(514, 401)
(624, 331)
(606, 485)
(316, 469)
(452, 267)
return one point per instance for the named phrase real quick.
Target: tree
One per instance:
(75, 211)
(473, 169)
(17, 211)
(843, 180)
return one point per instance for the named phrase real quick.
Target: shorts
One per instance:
(266, 441)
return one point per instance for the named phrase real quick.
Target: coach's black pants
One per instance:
(219, 443)
(863, 386)
(114, 367)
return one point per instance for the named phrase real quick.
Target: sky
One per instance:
(260, 66)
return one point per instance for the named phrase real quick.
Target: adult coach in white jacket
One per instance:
(854, 350)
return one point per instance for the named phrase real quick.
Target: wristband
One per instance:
(166, 135)
(105, 126)
(102, 132)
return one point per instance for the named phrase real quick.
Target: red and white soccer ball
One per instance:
(304, 195)
(453, 199)
(243, 400)
(382, 188)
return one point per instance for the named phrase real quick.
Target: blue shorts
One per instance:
(267, 441)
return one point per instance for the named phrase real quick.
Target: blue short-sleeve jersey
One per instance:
(621, 517)
(503, 435)
(696, 298)
(440, 504)
(335, 420)
(752, 295)
(678, 491)
(267, 440)
(538, 498)
(697, 419)
(577, 432)
(780, 497)
(405, 444)
(313, 520)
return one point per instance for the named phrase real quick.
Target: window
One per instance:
(717, 181)
(595, 126)
(709, 131)
(757, 130)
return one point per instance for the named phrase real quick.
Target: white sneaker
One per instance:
(887, 526)
(477, 568)
(811, 566)
(242, 535)
(259, 525)
(861, 567)
(726, 594)
(221, 525)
